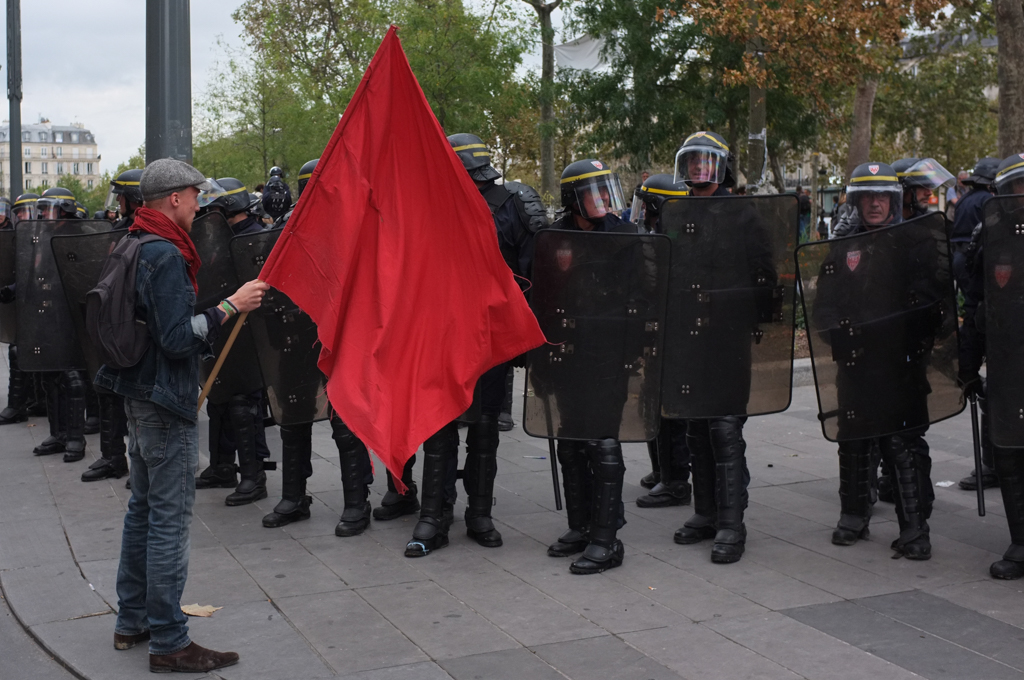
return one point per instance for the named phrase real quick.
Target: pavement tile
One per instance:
(417, 671)
(87, 647)
(31, 543)
(603, 657)
(102, 576)
(900, 644)
(348, 633)
(285, 568)
(697, 652)
(439, 624)
(216, 578)
(805, 651)
(26, 501)
(1001, 600)
(361, 561)
(507, 664)
(50, 592)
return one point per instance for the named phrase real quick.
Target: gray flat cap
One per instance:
(165, 176)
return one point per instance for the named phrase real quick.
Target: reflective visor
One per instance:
(875, 206)
(701, 165)
(928, 173)
(1011, 180)
(600, 196)
(215, 191)
(23, 210)
(638, 210)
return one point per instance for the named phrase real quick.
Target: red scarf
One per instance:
(155, 222)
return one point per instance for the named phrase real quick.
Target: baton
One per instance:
(220, 360)
(551, 453)
(977, 455)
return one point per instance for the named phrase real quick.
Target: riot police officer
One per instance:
(66, 391)
(670, 457)
(592, 471)
(886, 386)
(518, 213)
(277, 197)
(125, 197)
(237, 423)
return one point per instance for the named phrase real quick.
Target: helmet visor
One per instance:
(48, 209)
(208, 196)
(928, 173)
(875, 206)
(600, 196)
(23, 211)
(701, 165)
(638, 210)
(1011, 179)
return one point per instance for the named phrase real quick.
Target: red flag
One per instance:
(393, 254)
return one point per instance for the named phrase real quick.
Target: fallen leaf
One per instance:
(199, 610)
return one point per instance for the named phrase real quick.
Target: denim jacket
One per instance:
(168, 373)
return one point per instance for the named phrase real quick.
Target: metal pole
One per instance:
(978, 468)
(14, 92)
(168, 81)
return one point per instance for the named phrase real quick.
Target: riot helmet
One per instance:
(984, 172)
(305, 172)
(125, 185)
(650, 196)
(475, 157)
(276, 172)
(24, 208)
(590, 189)
(875, 195)
(57, 203)
(703, 159)
(231, 197)
(5, 212)
(277, 197)
(919, 178)
(80, 211)
(1010, 176)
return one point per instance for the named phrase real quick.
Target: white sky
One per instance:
(87, 63)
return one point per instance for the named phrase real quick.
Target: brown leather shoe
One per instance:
(192, 659)
(128, 641)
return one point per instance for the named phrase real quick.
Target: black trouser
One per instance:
(720, 475)
(673, 455)
(113, 425)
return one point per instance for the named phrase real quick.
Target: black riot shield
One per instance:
(732, 292)
(600, 297)
(9, 311)
(882, 328)
(79, 259)
(47, 340)
(285, 338)
(1003, 261)
(217, 280)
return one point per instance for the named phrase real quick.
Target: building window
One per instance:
(45, 183)
(60, 151)
(88, 169)
(26, 136)
(42, 136)
(58, 137)
(74, 168)
(74, 138)
(74, 152)
(28, 184)
(60, 168)
(28, 152)
(89, 184)
(46, 168)
(28, 167)
(43, 151)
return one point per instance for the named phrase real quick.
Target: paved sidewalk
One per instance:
(300, 603)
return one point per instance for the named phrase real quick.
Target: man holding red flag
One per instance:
(411, 297)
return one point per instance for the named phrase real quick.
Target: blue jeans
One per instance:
(164, 452)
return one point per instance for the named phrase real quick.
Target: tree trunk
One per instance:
(757, 133)
(860, 138)
(815, 164)
(548, 183)
(1010, 31)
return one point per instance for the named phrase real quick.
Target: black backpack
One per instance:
(120, 338)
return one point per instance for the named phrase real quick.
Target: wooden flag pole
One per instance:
(220, 360)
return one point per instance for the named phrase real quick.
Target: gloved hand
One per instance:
(971, 384)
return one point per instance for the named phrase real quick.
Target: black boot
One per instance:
(478, 480)
(431, 532)
(912, 507)
(855, 463)
(296, 467)
(701, 526)
(17, 387)
(607, 514)
(394, 504)
(673, 489)
(577, 485)
(113, 428)
(92, 410)
(731, 480)
(75, 389)
(651, 479)
(55, 442)
(1009, 466)
(355, 480)
(222, 473)
(253, 485)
